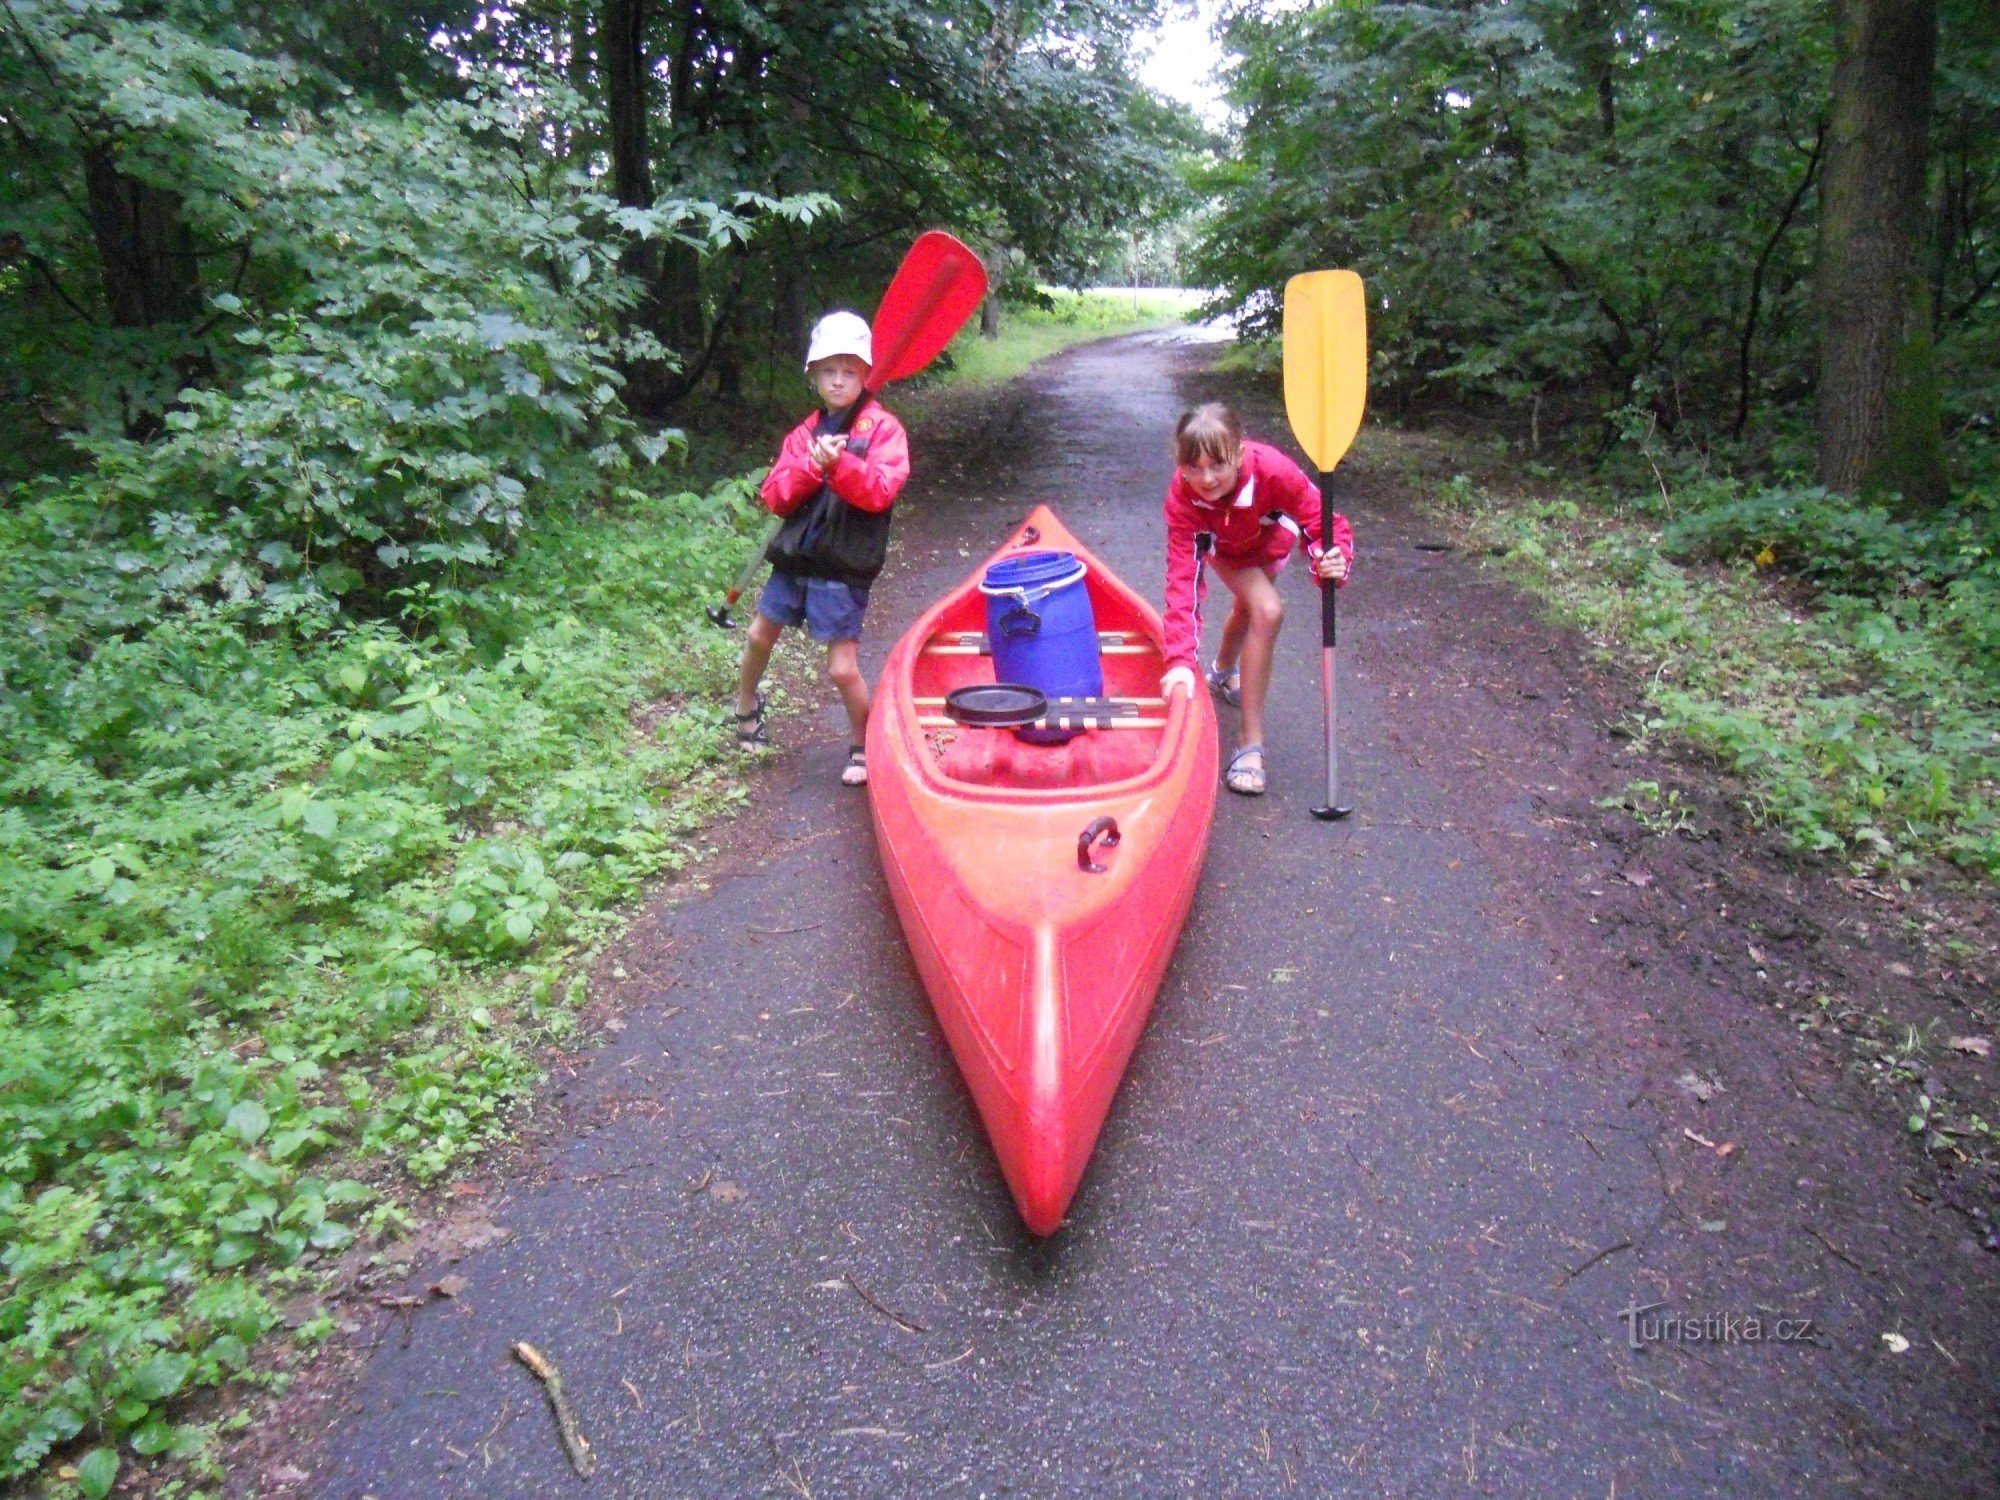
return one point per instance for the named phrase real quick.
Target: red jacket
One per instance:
(870, 483)
(1267, 481)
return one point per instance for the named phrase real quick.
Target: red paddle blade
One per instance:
(935, 290)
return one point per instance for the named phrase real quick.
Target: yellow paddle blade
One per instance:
(1326, 362)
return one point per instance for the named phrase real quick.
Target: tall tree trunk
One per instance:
(627, 69)
(1880, 428)
(151, 274)
(680, 321)
(679, 316)
(788, 309)
(578, 71)
(993, 255)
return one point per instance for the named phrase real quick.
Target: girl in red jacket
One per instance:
(1253, 502)
(835, 481)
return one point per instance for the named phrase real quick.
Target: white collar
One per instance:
(1245, 497)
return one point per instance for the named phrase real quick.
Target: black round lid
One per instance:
(995, 705)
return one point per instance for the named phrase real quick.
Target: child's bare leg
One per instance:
(1233, 630)
(843, 668)
(760, 638)
(1258, 601)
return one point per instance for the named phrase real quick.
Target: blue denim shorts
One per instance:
(829, 609)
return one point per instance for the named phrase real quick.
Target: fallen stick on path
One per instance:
(910, 1325)
(574, 1442)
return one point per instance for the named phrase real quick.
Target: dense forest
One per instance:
(345, 356)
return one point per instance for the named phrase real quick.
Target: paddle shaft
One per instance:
(756, 561)
(1329, 674)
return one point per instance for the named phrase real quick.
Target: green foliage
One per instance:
(282, 903)
(421, 351)
(1020, 128)
(1936, 576)
(1867, 725)
(1660, 812)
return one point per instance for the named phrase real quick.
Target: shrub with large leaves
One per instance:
(448, 361)
(421, 339)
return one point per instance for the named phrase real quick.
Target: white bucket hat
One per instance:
(841, 333)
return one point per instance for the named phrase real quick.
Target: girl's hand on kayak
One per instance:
(1178, 677)
(1332, 563)
(827, 450)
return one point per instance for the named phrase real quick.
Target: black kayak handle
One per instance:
(1107, 829)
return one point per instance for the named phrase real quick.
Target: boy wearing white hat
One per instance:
(836, 479)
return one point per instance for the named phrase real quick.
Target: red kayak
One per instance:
(1041, 929)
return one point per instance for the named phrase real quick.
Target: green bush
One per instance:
(1865, 726)
(285, 901)
(443, 371)
(1884, 576)
(418, 354)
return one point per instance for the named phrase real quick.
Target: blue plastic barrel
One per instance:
(1042, 630)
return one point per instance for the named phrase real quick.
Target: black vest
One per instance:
(828, 538)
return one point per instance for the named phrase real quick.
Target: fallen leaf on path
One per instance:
(725, 1191)
(1634, 875)
(1896, 1342)
(461, 1240)
(1702, 1088)
(450, 1286)
(1977, 1046)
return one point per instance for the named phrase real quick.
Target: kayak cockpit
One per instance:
(955, 656)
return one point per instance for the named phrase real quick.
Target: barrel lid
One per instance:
(995, 705)
(1028, 570)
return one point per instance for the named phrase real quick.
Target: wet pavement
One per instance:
(1382, 1177)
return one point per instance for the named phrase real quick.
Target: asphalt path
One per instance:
(1363, 1220)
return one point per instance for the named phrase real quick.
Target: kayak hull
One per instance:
(1041, 972)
